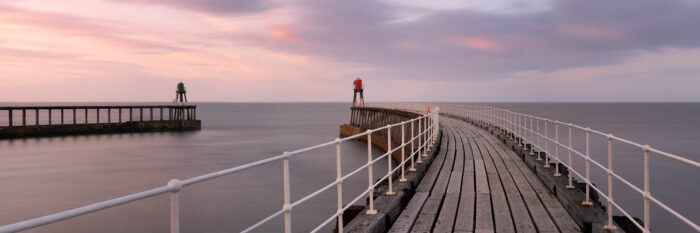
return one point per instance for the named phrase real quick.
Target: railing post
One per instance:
(389, 192)
(419, 154)
(524, 132)
(370, 188)
(86, 115)
(287, 195)
(36, 120)
(109, 115)
(9, 116)
(403, 153)
(588, 202)
(98, 115)
(151, 113)
(120, 115)
(75, 118)
(532, 139)
(646, 189)
(176, 185)
(546, 146)
(556, 149)
(610, 226)
(24, 117)
(425, 136)
(62, 116)
(413, 147)
(339, 181)
(571, 176)
(50, 116)
(539, 140)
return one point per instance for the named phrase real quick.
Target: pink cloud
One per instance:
(104, 31)
(283, 34)
(478, 43)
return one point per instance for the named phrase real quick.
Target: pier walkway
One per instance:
(477, 184)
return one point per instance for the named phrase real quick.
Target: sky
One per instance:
(312, 50)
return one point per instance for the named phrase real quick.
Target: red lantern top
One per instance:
(358, 84)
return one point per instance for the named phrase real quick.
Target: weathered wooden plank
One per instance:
(482, 184)
(520, 214)
(555, 209)
(484, 219)
(541, 218)
(408, 216)
(428, 181)
(559, 214)
(446, 219)
(501, 212)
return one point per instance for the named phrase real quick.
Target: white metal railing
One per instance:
(519, 127)
(426, 126)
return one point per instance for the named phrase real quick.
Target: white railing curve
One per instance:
(515, 126)
(427, 131)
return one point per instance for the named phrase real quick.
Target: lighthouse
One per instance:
(358, 88)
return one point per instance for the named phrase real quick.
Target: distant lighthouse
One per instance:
(180, 93)
(180, 114)
(357, 87)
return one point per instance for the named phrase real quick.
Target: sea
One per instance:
(41, 176)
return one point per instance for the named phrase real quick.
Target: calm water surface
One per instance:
(48, 175)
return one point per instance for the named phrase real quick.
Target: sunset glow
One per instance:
(264, 50)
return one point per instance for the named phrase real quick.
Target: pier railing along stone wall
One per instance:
(364, 118)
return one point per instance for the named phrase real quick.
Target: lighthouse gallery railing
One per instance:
(427, 126)
(520, 126)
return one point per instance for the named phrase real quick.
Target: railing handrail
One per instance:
(427, 133)
(516, 123)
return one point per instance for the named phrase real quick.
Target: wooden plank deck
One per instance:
(478, 185)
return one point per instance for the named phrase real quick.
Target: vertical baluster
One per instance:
(176, 186)
(588, 202)
(539, 140)
(403, 153)
(546, 145)
(75, 118)
(413, 147)
(646, 189)
(610, 226)
(370, 188)
(524, 132)
(61, 115)
(556, 149)
(427, 135)
(287, 195)
(24, 117)
(532, 139)
(9, 116)
(570, 168)
(50, 116)
(389, 192)
(420, 144)
(339, 181)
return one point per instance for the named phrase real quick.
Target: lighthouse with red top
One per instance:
(357, 87)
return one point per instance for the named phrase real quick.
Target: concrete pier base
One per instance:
(98, 128)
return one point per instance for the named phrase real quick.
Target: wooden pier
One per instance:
(32, 121)
(477, 184)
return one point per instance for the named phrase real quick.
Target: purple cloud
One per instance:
(464, 43)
